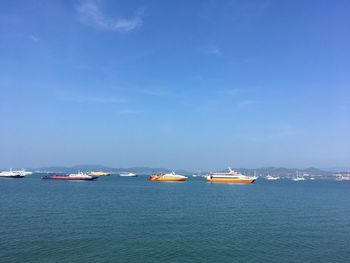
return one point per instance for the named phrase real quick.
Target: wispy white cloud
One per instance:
(244, 104)
(102, 100)
(34, 38)
(159, 93)
(91, 14)
(281, 131)
(344, 107)
(212, 50)
(117, 104)
(240, 14)
(78, 97)
(230, 92)
(269, 132)
(155, 91)
(128, 111)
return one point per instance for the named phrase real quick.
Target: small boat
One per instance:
(296, 179)
(199, 174)
(168, 177)
(78, 176)
(23, 172)
(99, 173)
(127, 174)
(343, 177)
(230, 177)
(272, 178)
(11, 174)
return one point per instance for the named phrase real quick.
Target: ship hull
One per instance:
(69, 178)
(166, 179)
(232, 181)
(12, 176)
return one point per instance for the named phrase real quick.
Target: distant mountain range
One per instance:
(338, 169)
(89, 168)
(285, 172)
(280, 171)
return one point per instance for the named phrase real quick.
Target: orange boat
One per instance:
(230, 177)
(169, 177)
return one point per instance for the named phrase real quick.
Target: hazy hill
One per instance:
(280, 171)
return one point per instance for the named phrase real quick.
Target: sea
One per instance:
(120, 219)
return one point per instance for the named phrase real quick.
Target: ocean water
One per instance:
(116, 219)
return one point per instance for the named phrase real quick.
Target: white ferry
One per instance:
(11, 174)
(127, 174)
(230, 177)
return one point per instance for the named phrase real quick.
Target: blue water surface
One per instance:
(118, 219)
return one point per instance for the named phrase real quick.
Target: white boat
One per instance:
(23, 172)
(230, 177)
(127, 174)
(11, 174)
(343, 177)
(298, 178)
(77, 176)
(170, 177)
(81, 176)
(272, 178)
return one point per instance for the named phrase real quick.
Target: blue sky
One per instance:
(181, 84)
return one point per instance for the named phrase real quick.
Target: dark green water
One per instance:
(118, 219)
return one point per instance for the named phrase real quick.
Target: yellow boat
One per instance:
(230, 177)
(169, 177)
(99, 173)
